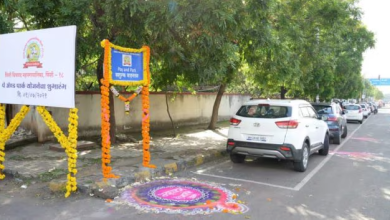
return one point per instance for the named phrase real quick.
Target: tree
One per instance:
(194, 43)
(5, 21)
(267, 49)
(295, 48)
(378, 94)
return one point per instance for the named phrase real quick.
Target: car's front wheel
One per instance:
(301, 165)
(237, 158)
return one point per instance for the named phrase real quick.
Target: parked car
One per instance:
(372, 109)
(354, 112)
(366, 110)
(375, 108)
(280, 129)
(335, 118)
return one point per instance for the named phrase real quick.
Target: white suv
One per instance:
(281, 129)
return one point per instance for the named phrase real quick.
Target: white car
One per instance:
(366, 110)
(281, 129)
(354, 112)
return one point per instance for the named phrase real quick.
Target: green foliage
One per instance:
(6, 22)
(371, 91)
(254, 46)
(379, 95)
(193, 41)
(308, 47)
(5, 26)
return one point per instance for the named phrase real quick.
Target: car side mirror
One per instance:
(324, 117)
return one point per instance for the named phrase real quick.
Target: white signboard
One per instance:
(38, 67)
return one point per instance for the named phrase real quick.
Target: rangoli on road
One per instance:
(181, 197)
(359, 155)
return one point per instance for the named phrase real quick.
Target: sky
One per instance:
(376, 16)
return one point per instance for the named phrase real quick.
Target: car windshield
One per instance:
(264, 111)
(363, 106)
(323, 109)
(352, 107)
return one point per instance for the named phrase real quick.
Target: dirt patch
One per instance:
(26, 188)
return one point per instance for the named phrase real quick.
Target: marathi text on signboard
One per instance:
(38, 67)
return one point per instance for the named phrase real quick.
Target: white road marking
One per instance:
(244, 180)
(200, 171)
(315, 170)
(298, 186)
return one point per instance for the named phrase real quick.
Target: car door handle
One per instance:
(307, 126)
(316, 127)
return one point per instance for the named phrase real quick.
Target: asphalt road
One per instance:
(352, 182)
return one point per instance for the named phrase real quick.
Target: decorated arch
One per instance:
(124, 67)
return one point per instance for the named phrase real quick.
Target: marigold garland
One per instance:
(69, 143)
(6, 133)
(146, 128)
(122, 98)
(105, 116)
(126, 100)
(2, 118)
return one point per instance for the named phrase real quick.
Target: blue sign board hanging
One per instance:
(380, 82)
(127, 67)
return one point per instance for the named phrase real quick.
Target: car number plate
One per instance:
(257, 138)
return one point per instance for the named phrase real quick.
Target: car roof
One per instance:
(289, 102)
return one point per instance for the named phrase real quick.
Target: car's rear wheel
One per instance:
(301, 165)
(345, 132)
(337, 138)
(361, 122)
(237, 158)
(324, 151)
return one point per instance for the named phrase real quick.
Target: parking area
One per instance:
(270, 172)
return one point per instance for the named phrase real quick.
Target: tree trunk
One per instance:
(8, 113)
(99, 69)
(99, 74)
(214, 116)
(283, 92)
(112, 119)
(169, 114)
